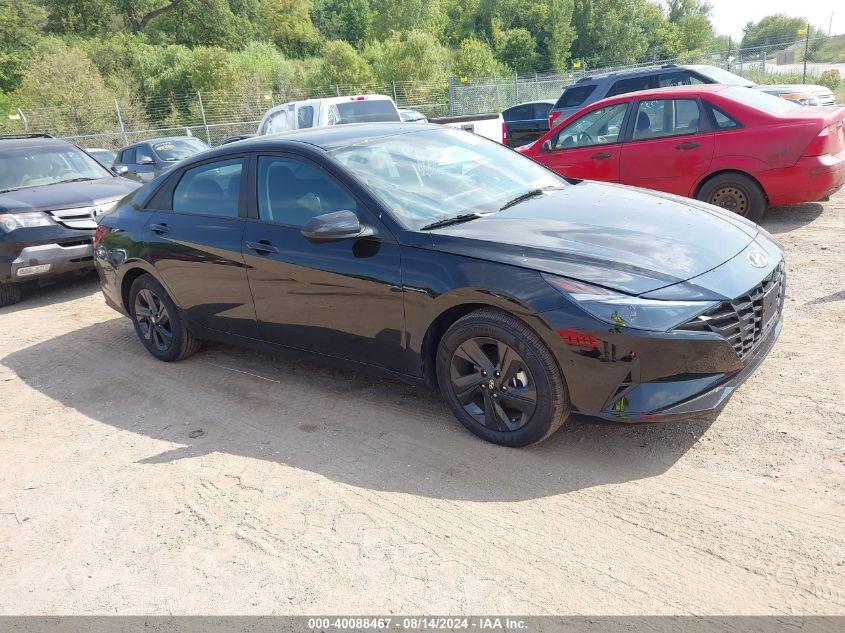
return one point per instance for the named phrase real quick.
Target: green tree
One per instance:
(287, 23)
(475, 59)
(20, 23)
(348, 20)
(559, 33)
(202, 23)
(773, 29)
(65, 93)
(341, 64)
(408, 56)
(407, 15)
(518, 50)
(78, 16)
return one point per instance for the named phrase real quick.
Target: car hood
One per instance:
(778, 88)
(66, 195)
(620, 237)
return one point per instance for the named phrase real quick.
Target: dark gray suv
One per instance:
(588, 90)
(145, 160)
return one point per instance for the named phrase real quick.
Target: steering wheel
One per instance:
(585, 139)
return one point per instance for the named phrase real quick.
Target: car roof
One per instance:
(551, 101)
(161, 139)
(330, 100)
(638, 72)
(37, 141)
(334, 136)
(665, 93)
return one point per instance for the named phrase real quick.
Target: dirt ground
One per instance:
(237, 483)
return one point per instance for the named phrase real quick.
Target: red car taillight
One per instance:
(99, 234)
(552, 116)
(504, 133)
(827, 140)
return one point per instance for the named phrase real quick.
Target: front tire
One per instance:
(737, 193)
(158, 323)
(10, 294)
(500, 380)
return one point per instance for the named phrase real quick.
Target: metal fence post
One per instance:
(451, 95)
(516, 86)
(23, 118)
(393, 82)
(337, 89)
(204, 122)
(120, 123)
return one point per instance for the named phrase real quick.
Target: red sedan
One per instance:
(734, 147)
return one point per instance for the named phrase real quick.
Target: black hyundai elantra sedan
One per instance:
(438, 256)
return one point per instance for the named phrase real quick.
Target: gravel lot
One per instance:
(236, 482)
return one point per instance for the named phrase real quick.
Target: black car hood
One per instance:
(66, 195)
(624, 238)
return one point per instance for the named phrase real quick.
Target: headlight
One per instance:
(12, 221)
(804, 98)
(626, 311)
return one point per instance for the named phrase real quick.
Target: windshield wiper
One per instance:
(458, 219)
(522, 198)
(78, 179)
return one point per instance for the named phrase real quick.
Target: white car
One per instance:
(298, 115)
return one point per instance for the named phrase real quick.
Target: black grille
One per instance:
(744, 321)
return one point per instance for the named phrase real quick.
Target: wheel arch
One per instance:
(130, 274)
(728, 170)
(448, 316)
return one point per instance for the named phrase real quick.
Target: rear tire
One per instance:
(500, 380)
(10, 294)
(158, 323)
(737, 193)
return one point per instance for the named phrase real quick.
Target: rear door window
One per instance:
(143, 152)
(362, 111)
(210, 189)
(657, 118)
(678, 78)
(624, 86)
(127, 157)
(722, 120)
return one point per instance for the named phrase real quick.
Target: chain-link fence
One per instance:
(214, 116)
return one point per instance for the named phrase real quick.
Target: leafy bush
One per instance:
(830, 78)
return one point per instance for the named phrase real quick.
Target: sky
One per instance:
(729, 16)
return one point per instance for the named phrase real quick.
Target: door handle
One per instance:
(262, 247)
(687, 145)
(601, 155)
(160, 228)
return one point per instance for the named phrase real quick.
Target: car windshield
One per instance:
(37, 165)
(363, 111)
(721, 76)
(433, 175)
(176, 149)
(760, 100)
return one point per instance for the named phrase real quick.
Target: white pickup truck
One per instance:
(490, 126)
(371, 108)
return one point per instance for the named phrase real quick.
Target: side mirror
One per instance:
(331, 227)
(120, 170)
(547, 146)
(145, 160)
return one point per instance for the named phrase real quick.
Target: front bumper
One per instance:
(688, 398)
(47, 260)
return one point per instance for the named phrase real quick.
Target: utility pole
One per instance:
(806, 49)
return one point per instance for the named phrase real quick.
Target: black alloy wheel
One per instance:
(153, 320)
(500, 379)
(158, 323)
(493, 384)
